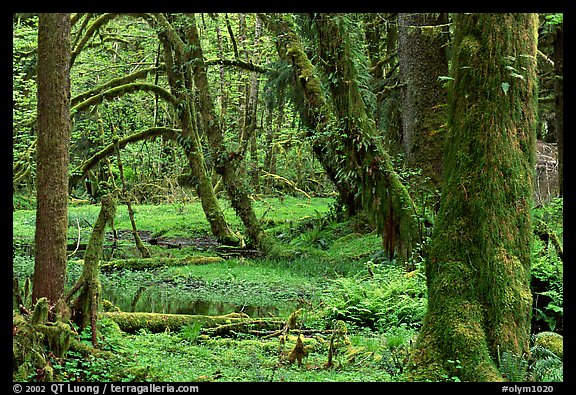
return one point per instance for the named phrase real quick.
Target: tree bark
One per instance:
(422, 41)
(478, 273)
(52, 159)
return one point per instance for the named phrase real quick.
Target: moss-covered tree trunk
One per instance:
(343, 134)
(478, 272)
(85, 306)
(559, 101)
(176, 58)
(422, 40)
(52, 157)
(227, 164)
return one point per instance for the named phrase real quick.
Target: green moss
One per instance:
(478, 271)
(551, 341)
(58, 335)
(31, 344)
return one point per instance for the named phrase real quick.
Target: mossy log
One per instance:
(544, 233)
(156, 322)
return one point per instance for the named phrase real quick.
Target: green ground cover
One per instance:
(359, 314)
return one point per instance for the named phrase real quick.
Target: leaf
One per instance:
(505, 86)
(516, 75)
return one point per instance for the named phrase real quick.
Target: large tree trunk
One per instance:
(52, 156)
(422, 40)
(478, 273)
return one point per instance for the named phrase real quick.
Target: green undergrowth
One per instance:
(177, 219)
(359, 312)
(190, 356)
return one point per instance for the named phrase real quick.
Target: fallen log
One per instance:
(222, 324)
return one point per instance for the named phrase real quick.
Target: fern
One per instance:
(545, 365)
(512, 366)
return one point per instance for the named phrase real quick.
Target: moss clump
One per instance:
(551, 341)
(33, 337)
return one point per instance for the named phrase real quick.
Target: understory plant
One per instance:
(381, 298)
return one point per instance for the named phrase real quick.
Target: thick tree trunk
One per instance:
(478, 273)
(422, 40)
(52, 156)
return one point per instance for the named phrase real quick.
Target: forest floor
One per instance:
(357, 313)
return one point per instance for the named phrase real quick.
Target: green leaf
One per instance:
(516, 75)
(505, 86)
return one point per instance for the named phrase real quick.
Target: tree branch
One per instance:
(112, 84)
(81, 171)
(237, 63)
(102, 20)
(121, 90)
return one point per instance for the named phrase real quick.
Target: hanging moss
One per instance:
(343, 135)
(33, 338)
(27, 350)
(40, 313)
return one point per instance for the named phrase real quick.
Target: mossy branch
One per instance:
(122, 90)
(113, 83)
(85, 307)
(99, 22)
(81, 172)
(237, 63)
(287, 182)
